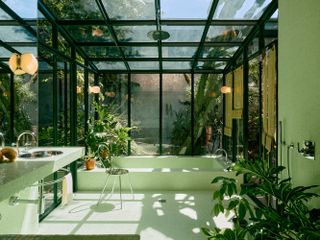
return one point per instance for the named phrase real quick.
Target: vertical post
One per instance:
(66, 106)
(55, 86)
(73, 99)
(12, 108)
(160, 113)
(129, 111)
(245, 101)
(192, 114)
(86, 98)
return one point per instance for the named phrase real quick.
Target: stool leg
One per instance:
(131, 189)
(103, 190)
(120, 191)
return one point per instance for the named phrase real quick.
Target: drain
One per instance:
(162, 200)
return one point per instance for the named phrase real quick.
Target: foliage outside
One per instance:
(284, 213)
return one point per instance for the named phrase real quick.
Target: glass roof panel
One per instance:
(228, 33)
(88, 33)
(134, 33)
(218, 51)
(4, 15)
(168, 52)
(218, 65)
(183, 33)
(110, 65)
(240, 9)
(16, 34)
(70, 9)
(101, 51)
(179, 9)
(169, 65)
(5, 53)
(275, 15)
(130, 9)
(142, 65)
(133, 52)
(24, 9)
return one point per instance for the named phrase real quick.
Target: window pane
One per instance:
(16, 34)
(130, 10)
(144, 65)
(80, 105)
(183, 33)
(70, 9)
(240, 9)
(227, 33)
(145, 114)
(134, 33)
(24, 9)
(100, 51)
(218, 65)
(176, 65)
(4, 15)
(151, 52)
(90, 33)
(176, 126)
(110, 65)
(168, 52)
(207, 113)
(5, 106)
(218, 51)
(179, 9)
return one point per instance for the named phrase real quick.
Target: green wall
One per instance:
(299, 84)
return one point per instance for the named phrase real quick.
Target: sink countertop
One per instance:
(22, 173)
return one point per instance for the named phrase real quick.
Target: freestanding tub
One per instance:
(161, 173)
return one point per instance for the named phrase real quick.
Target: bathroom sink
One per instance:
(40, 154)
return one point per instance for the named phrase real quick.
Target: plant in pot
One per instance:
(107, 135)
(283, 213)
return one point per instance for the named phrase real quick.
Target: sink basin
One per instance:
(40, 154)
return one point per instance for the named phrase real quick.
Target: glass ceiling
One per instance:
(114, 35)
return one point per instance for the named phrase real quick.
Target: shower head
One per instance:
(158, 35)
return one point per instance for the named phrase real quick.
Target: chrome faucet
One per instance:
(226, 160)
(33, 136)
(2, 140)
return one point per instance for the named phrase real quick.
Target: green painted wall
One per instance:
(299, 84)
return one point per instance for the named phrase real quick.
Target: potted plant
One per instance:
(283, 213)
(89, 161)
(108, 130)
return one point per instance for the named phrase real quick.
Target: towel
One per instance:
(67, 189)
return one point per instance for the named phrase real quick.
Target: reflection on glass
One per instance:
(70, 9)
(151, 52)
(213, 52)
(176, 65)
(134, 33)
(180, 9)
(240, 9)
(5, 105)
(145, 113)
(80, 105)
(183, 33)
(218, 65)
(149, 65)
(253, 47)
(130, 10)
(16, 34)
(88, 33)
(207, 113)
(24, 9)
(110, 65)
(168, 52)
(227, 33)
(253, 122)
(100, 51)
(176, 107)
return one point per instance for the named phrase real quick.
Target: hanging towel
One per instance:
(67, 189)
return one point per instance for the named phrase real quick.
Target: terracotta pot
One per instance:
(90, 164)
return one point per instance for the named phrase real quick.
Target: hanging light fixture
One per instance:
(94, 89)
(23, 63)
(225, 89)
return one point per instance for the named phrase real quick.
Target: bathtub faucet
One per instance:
(226, 160)
(33, 136)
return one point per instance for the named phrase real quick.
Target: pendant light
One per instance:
(23, 63)
(225, 89)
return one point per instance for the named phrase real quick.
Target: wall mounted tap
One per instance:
(307, 150)
(226, 160)
(26, 145)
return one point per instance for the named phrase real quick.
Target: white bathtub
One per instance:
(161, 173)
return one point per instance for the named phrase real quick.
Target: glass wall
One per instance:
(5, 106)
(80, 106)
(145, 114)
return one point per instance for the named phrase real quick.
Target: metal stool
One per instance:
(116, 172)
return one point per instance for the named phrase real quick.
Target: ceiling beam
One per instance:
(174, 59)
(171, 71)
